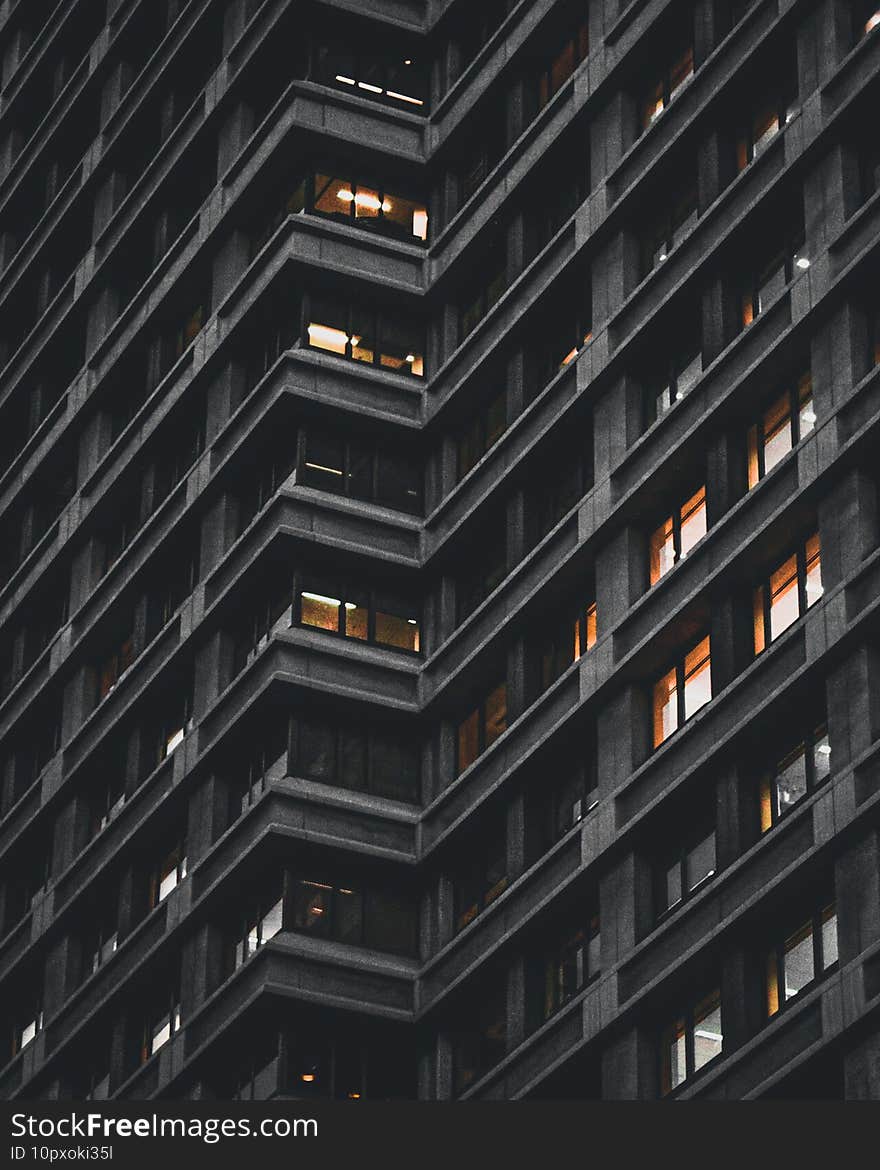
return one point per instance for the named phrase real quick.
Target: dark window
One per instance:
(481, 1039)
(794, 775)
(769, 116)
(368, 917)
(671, 228)
(570, 964)
(168, 873)
(680, 374)
(558, 483)
(270, 614)
(661, 92)
(558, 63)
(102, 935)
(767, 283)
(483, 432)
(558, 804)
(479, 729)
(249, 776)
(362, 471)
(484, 291)
(486, 570)
(388, 72)
(565, 642)
(161, 1022)
(112, 665)
(684, 871)
(484, 147)
(366, 759)
(481, 879)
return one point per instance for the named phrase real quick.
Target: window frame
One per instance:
(345, 603)
(799, 410)
(775, 986)
(676, 521)
(806, 561)
(680, 857)
(483, 741)
(689, 1020)
(663, 90)
(682, 676)
(809, 745)
(378, 320)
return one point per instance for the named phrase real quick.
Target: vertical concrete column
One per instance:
(626, 907)
(108, 197)
(824, 37)
(517, 697)
(719, 321)
(849, 530)
(838, 358)
(612, 132)
(213, 662)
(623, 730)
(62, 973)
(857, 891)
(115, 87)
(617, 423)
(852, 691)
(516, 836)
(629, 1071)
(741, 989)
(218, 532)
(207, 817)
(615, 273)
(736, 814)
(516, 1002)
(621, 569)
(861, 1070)
(101, 316)
(446, 610)
(445, 754)
(832, 191)
(201, 967)
(515, 246)
(233, 136)
(725, 475)
(708, 30)
(233, 23)
(230, 261)
(515, 397)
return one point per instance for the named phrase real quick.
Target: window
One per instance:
(261, 920)
(780, 428)
(571, 964)
(481, 880)
(372, 917)
(793, 587)
(488, 288)
(161, 1024)
(102, 937)
(770, 282)
(367, 205)
(483, 432)
(481, 1040)
(363, 758)
(561, 335)
(552, 200)
(682, 691)
(479, 730)
(804, 956)
(487, 569)
(665, 88)
(383, 339)
(557, 806)
(27, 1022)
(559, 64)
(484, 147)
(367, 615)
(679, 378)
(360, 470)
(250, 775)
(571, 638)
(111, 668)
(795, 775)
(690, 1042)
(677, 535)
(670, 229)
(269, 616)
(686, 870)
(168, 874)
(866, 17)
(769, 118)
(382, 73)
(168, 732)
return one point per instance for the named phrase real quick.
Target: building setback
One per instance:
(440, 583)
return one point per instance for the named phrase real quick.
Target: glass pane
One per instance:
(814, 571)
(681, 71)
(271, 923)
(765, 126)
(468, 740)
(317, 750)
(356, 618)
(363, 336)
(405, 216)
(320, 610)
(653, 105)
(311, 907)
(349, 916)
(777, 432)
(821, 756)
(697, 678)
(700, 862)
(673, 885)
(674, 1057)
(401, 349)
(708, 1037)
(772, 984)
(496, 714)
(352, 758)
(798, 960)
(791, 780)
(399, 483)
(396, 624)
(688, 376)
(784, 600)
(333, 196)
(662, 550)
(806, 414)
(665, 707)
(693, 521)
(829, 936)
(324, 463)
(360, 472)
(367, 204)
(770, 286)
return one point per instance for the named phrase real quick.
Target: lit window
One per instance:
(382, 339)
(160, 1026)
(378, 617)
(261, 922)
(793, 587)
(573, 638)
(392, 76)
(372, 917)
(770, 282)
(685, 872)
(556, 71)
(764, 126)
(690, 1042)
(781, 427)
(168, 875)
(801, 958)
(794, 776)
(367, 206)
(479, 730)
(677, 535)
(27, 1026)
(666, 87)
(682, 691)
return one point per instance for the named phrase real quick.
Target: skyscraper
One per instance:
(440, 593)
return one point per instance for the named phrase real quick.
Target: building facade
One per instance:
(440, 592)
